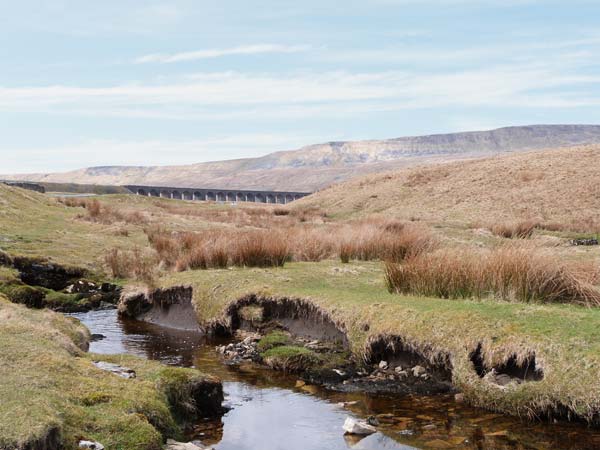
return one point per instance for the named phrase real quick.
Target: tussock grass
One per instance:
(220, 248)
(521, 230)
(392, 240)
(135, 264)
(521, 274)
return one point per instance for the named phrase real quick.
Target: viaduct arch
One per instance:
(219, 195)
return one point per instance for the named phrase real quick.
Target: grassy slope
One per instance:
(47, 382)
(32, 224)
(554, 185)
(564, 338)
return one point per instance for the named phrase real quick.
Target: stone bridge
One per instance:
(218, 195)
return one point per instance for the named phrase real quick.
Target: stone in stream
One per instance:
(383, 365)
(358, 427)
(174, 445)
(121, 371)
(418, 371)
(91, 445)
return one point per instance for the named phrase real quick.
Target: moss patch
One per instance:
(290, 358)
(272, 340)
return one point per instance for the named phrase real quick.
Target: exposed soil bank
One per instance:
(171, 307)
(273, 407)
(39, 283)
(405, 356)
(302, 318)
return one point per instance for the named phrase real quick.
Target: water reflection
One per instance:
(269, 411)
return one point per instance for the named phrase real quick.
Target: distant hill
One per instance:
(317, 166)
(557, 185)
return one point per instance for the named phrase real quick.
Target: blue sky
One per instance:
(108, 82)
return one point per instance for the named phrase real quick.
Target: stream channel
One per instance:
(272, 411)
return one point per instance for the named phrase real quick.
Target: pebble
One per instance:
(383, 365)
(91, 445)
(124, 372)
(358, 427)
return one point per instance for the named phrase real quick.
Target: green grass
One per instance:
(272, 340)
(290, 358)
(47, 382)
(566, 339)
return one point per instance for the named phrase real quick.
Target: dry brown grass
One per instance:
(258, 247)
(135, 264)
(557, 185)
(384, 240)
(106, 214)
(246, 215)
(512, 273)
(511, 230)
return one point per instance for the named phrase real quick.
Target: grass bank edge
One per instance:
(44, 366)
(563, 338)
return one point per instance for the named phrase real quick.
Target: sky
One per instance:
(95, 83)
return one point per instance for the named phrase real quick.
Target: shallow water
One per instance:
(269, 411)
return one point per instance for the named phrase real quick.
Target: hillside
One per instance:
(317, 166)
(552, 185)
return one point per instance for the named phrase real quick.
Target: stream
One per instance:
(273, 411)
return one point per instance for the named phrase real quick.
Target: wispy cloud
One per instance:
(217, 53)
(251, 95)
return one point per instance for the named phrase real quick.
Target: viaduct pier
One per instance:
(218, 195)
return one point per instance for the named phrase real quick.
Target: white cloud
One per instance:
(231, 93)
(216, 53)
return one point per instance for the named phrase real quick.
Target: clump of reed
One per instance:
(224, 247)
(512, 273)
(387, 240)
(217, 249)
(136, 264)
(515, 230)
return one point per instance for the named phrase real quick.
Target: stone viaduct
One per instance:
(218, 195)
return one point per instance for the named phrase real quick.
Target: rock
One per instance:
(383, 365)
(91, 445)
(82, 286)
(373, 420)
(459, 398)
(418, 371)
(430, 426)
(174, 445)
(341, 373)
(402, 374)
(591, 241)
(121, 371)
(96, 337)
(398, 369)
(358, 427)
(346, 404)
(300, 383)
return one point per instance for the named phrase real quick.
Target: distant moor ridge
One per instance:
(317, 166)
